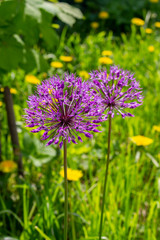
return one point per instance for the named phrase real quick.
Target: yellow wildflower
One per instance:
(72, 175)
(103, 15)
(32, 79)
(107, 53)
(78, 1)
(141, 140)
(66, 58)
(137, 21)
(12, 90)
(56, 64)
(148, 30)
(157, 24)
(154, 1)
(151, 49)
(156, 128)
(55, 25)
(94, 25)
(84, 74)
(105, 60)
(1, 104)
(8, 166)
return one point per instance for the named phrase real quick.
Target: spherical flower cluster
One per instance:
(118, 90)
(64, 109)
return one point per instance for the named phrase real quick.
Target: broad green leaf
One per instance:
(50, 8)
(66, 18)
(32, 9)
(11, 53)
(68, 9)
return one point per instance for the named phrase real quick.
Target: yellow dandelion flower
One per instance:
(72, 175)
(32, 79)
(151, 49)
(66, 58)
(8, 166)
(55, 25)
(56, 64)
(1, 104)
(78, 1)
(13, 91)
(103, 15)
(157, 24)
(107, 53)
(156, 128)
(84, 74)
(94, 25)
(154, 1)
(105, 60)
(137, 21)
(141, 140)
(148, 30)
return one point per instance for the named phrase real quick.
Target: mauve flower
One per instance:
(63, 109)
(118, 90)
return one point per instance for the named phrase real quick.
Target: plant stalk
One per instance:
(66, 191)
(106, 176)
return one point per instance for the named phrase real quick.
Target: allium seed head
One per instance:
(118, 90)
(63, 109)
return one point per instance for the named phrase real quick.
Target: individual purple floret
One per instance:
(119, 90)
(63, 109)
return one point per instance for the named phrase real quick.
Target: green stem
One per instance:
(106, 175)
(66, 190)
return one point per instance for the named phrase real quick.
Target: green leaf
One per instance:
(7, 10)
(11, 53)
(66, 18)
(68, 9)
(32, 9)
(50, 8)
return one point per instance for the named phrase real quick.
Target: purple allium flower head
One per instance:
(63, 109)
(119, 90)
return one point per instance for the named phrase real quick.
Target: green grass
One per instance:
(33, 207)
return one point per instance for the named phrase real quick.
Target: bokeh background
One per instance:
(38, 39)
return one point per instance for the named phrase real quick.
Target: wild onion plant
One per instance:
(118, 91)
(64, 109)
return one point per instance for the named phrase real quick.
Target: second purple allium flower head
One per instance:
(118, 90)
(63, 109)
